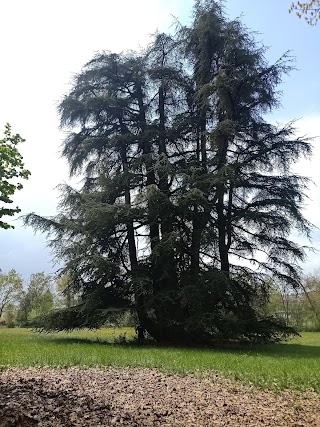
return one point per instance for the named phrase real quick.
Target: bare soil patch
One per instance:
(144, 397)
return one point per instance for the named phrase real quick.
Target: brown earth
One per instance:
(144, 397)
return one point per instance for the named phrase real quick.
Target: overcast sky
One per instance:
(44, 43)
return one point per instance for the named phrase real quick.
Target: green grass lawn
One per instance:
(295, 364)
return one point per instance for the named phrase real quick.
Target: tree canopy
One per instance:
(188, 198)
(11, 172)
(310, 10)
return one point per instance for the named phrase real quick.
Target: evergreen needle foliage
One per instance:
(188, 197)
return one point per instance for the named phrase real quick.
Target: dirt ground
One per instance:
(144, 397)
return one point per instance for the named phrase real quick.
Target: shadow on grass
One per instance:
(268, 350)
(286, 350)
(107, 342)
(83, 340)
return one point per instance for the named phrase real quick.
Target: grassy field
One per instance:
(295, 364)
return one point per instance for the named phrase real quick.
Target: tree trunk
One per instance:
(195, 247)
(127, 196)
(200, 217)
(130, 228)
(151, 178)
(224, 238)
(203, 143)
(223, 248)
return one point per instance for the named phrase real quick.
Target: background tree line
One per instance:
(21, 304)
(301, 308)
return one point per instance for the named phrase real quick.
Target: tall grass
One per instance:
(295, 364)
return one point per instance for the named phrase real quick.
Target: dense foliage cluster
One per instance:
(188, 197)
(12, 171)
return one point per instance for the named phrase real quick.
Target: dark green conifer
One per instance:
(188, 200)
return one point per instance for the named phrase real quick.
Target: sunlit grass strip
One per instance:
(293, 365)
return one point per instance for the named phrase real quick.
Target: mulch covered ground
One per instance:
(144, 397)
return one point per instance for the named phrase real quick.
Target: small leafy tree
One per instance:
(38, 299)
(24, 308)
(10, 315)
(11, 172)
(10, 289)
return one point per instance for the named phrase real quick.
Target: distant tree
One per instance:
(10, 314)
(188, 197)
(24, 308)
(300, 307)
(310, 10)
(311, 291)
(65, 292)
(38, 299)
(11, 172)
(10, 289)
